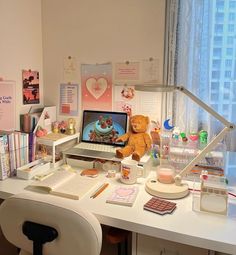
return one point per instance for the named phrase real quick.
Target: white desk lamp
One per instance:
(178, 189)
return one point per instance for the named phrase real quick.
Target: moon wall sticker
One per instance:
(167, 125)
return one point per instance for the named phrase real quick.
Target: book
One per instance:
(4, 158)
(159, 206)
(122, 195)
(65, 184)
(10, 149)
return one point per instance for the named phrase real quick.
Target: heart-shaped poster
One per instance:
(96, 87)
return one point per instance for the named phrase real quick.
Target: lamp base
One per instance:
(167, 191)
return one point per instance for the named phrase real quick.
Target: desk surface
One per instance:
(183, 226)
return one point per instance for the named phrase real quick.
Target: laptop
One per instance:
(100, 129)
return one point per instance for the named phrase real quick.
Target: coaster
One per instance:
(159, 206)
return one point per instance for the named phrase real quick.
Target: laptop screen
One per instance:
(103, 127)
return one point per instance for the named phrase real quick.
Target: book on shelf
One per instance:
(10, 150)
(4, 157)
(122, 195)
(65, 184)
(19, 149)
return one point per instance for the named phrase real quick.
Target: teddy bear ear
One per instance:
(147, 119)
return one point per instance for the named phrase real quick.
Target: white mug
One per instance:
(130, 171)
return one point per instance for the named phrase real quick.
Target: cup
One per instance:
(165, 174)
(130, 171)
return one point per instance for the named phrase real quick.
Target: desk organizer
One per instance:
(80, 162)
(213, 197)
(30, 170)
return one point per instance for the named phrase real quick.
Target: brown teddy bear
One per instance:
(138, 140)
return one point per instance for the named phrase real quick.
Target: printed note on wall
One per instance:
(96, 86)
(151, 71)
(69, 99)
(70, 70)
(7, 105)
(128, 71)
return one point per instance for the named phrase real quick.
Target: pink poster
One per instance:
(96, 86)
(7, 105)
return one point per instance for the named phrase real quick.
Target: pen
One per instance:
(99, 190)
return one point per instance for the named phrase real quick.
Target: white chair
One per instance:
(64, 228)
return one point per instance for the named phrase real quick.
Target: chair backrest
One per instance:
(79, 231)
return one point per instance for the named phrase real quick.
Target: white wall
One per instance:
(98, 31)
(20, 44)
(93, 31)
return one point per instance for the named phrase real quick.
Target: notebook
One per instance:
(65, 184)
(123, 195)
(100, 129)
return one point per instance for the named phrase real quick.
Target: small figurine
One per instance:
(41, 132)
(62, 126)
(71, 127)
(176, 133)
(184, 137)
(203, 137)
(55, 128)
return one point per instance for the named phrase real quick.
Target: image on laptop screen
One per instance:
(103, 127)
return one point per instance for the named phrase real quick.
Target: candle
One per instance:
(165, 174)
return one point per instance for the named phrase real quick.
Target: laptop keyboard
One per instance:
(96, 147)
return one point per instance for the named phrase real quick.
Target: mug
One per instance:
(130, 171)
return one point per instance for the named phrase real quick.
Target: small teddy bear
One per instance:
(139, 142)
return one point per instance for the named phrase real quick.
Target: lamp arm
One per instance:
(205, 106)
(201, 155)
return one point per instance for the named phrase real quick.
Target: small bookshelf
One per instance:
(54, 144)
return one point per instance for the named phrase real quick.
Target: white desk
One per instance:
(183, 226)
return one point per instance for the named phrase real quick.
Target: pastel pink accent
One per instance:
(165, 175)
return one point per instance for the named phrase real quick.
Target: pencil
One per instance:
(100, 190)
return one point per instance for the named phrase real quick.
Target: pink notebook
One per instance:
(123, 195)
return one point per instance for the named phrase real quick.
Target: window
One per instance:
(231, 28)
(217, 52)
(232, 4)
(232, 17)
(218, 28)
(219, 17)
(220, 5)
(215, 85)
(229, 51)
(228, 62)
(230, 40)
(227, 74)
(218, 40)
(207, 65)
(226, 97)
(227, 85)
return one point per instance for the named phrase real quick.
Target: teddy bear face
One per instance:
(139, 123)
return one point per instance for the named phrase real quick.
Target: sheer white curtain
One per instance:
(188, 63)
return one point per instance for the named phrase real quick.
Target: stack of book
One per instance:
(16, 149)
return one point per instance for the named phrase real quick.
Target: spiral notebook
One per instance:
(123, 195)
